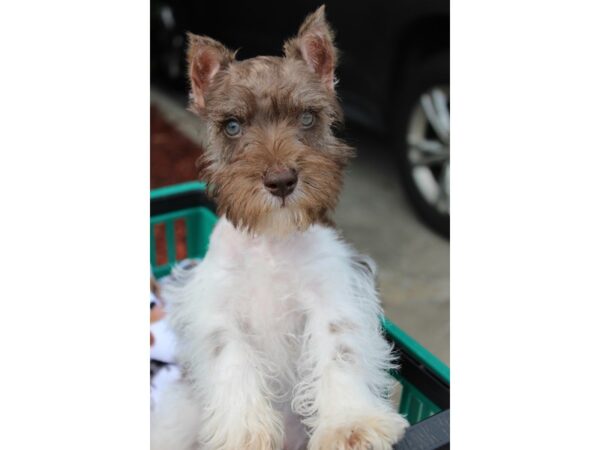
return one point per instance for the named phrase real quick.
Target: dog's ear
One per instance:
(314, 45)
(205, 57)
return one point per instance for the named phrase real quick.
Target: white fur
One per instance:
(280, 342)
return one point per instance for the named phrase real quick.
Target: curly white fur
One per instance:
(281, 347)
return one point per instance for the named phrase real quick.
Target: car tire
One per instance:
(427, 81)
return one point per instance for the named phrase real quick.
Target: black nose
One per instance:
(281, 181)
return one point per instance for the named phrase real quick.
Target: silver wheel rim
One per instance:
(428, 143)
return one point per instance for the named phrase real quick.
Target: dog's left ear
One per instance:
(314, 45)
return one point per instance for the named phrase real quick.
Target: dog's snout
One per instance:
(281, 182)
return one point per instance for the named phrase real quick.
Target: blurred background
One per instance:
(394, 87)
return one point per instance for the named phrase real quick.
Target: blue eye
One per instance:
(233, 128)
(307, 119)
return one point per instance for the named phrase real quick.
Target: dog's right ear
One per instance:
(205, 57)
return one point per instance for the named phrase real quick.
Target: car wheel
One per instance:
(423, 141)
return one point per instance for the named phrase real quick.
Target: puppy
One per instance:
(278, 328)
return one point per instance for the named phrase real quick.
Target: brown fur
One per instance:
(342, 326)
(344, 354)
(366, 435)
(217, 341)
(268, 95)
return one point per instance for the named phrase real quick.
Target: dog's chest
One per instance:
(271, 281)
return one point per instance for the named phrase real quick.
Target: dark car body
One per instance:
(379, 41)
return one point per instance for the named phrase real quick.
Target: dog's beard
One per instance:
(242, 198)
(269, 215)
(282, 221)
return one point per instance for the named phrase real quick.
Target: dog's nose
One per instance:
(281, 181)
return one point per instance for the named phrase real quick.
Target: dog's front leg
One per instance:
(344, 391)
(236, 412)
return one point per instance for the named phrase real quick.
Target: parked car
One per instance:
(394, 72)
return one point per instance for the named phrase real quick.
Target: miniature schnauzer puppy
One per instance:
(280, 340)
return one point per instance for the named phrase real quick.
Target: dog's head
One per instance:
(271, 158)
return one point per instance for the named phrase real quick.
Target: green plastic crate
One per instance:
(199, 222)
(424, 378)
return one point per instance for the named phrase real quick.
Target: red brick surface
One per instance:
(172, 155)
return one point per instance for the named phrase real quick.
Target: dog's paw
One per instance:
(252, 428)
(371, 432)
(261, 439)
(255, 438)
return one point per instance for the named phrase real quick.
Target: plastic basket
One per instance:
(424, 378)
